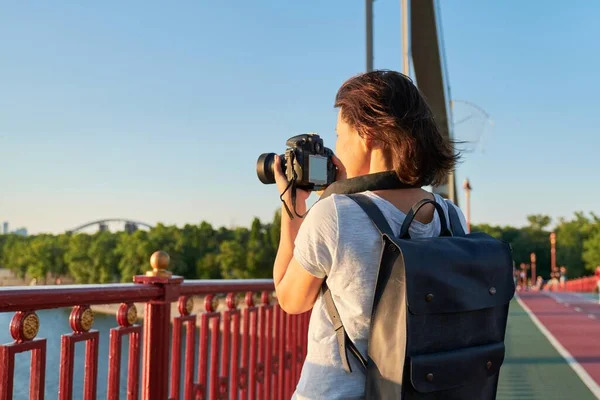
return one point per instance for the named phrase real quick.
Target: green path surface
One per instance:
(533, 369)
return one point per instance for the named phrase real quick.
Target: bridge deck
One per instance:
(534, 367)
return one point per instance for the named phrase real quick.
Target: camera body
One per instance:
(306, 160)
(310, 162)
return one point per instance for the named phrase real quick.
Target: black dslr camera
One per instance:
(306, 162)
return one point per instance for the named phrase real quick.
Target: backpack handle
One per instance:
(444, 231)
(455, 224)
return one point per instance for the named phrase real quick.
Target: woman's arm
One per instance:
(298, 273)
(296, 289)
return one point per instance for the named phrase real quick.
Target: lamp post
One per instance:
(467, 189)
(533, 274)
(369, 23)
(553, 252)
(404, 16)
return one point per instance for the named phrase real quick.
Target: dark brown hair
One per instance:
(387, 107)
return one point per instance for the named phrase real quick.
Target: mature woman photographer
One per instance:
(383, 124)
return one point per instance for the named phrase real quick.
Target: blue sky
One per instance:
(158, 112)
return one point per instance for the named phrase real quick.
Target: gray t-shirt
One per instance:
(338, 240)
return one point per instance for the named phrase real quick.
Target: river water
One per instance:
(53, 324)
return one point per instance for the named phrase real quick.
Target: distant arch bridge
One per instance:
(130, 225)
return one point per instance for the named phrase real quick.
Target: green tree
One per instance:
(43, 257)
(275, 231)
(241, 235)
(258, 255)
(231, 259)
(79, 263)
(208, 267)
(58, 266)
(570, 238)
(191, 247)
(591, 251)
(223, 234)
(105, 258)
(2, 241)
(539, 222)
(15, 254)
(524, 241)
(493, 231)
(134, 251)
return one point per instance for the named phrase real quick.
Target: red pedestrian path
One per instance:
(574, 321)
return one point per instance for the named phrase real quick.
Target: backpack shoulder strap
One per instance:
(344, 342)
(455, 224)
(373, 212)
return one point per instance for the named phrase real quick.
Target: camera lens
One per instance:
(264, 168)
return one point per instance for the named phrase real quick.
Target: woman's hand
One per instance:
(282, 184)
(341, 170)
(340, 174)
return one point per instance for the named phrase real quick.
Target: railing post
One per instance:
(157, 319)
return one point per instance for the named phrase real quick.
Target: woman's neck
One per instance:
(378, 163)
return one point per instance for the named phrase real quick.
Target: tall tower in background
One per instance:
(423, 47)
(431, 74)
(5, 227)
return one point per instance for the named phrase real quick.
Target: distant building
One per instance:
(21, 232)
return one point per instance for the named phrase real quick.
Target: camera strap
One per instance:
(386, 180)
(377, 181)
(291, 184)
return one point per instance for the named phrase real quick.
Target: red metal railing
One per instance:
(252, 350)
(584, 284)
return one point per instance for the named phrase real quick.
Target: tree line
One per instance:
(577, 242)
(196, 251)
(204, 252)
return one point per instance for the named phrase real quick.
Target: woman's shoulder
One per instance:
(330, 206)
(333, 213)
(323, 209)
(317, 240)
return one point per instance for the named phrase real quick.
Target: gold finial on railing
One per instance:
(24, 326)
(160, 262)
(81, 319)
(185, 305)
(266, 298)
(232, 300)
(127, 314)
(211, 303)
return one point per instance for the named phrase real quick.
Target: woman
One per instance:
(383, 124)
